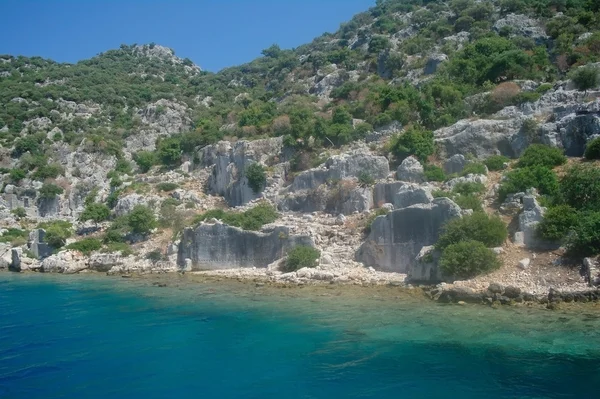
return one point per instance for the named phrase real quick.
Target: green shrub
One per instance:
(299, 257)
(467, 259)
(50, 191)
(496, 162)
(475, 168)
(141, 220)
(365, 179)
(415, 141)
(113, 198)
(167, 186)
(145, 160)
(489, 230)
(586, 78)
(468, 188)
(57, 232)
(544, 87)
(122, 247)
(469, 201)
(558, 221)
(257, 178)
(580, 187)
(17, 174)
(592, 149)
(48, 171)
(155, 256)
(434, 173)
(86, 245)
(123, 166)
(252, 219)
(519, 180)
(169, 151)
(95, 212)
(441, 194)
(541, 155)
(585, 237)
(19, 212)
(12, 235)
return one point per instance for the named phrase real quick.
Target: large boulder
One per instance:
(411, 170)
(397, 238)
(455, 164)
(230, 161)
(64, 262)
(383, 193)
(219, 246)
(411, 194)
(344, 166)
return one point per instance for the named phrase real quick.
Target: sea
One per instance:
(91, 336)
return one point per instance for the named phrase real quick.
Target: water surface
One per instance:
(98, 337)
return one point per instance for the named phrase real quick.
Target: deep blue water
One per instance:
(98, 337)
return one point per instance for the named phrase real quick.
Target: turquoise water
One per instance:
(98, 337)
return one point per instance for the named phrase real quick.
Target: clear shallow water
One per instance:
(97, 337)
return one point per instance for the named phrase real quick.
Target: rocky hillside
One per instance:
(405, 109)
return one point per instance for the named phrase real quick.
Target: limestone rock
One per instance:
(37, 245)
(103, 262)
(522, 25)
(219, 246)
(529, 219)
(524, 263)
(411, 170)
(591, 271)
(397, 238)
(433, 62)
(64, 262)
(425, 269)
(470, 178)
(455, 164)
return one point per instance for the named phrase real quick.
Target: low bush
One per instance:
(365, 179)
(252, 219)
(496, 162)
(475, 168)
(489, 230)
(86, 245)
(12, 234)
(155, 256)
(17, 174)
(584, 239)
(48, 171)
(468, 188)
(541, 155)
(558, 222)
(95, 212)
(519, 180)
(469, 201)
(145, 160)
(434, 173)
(122, 247)
(592, 149)
(580, 187)
(415, 141)
(19, 212)
(299, 257)
(57, 232)
(141, 220)
(167, 186)
(468, 259)
(257, 178)
(441, 194)
(586, 78)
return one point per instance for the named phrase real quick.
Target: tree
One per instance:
(169, 151)
(141, 220)
(272, 52)
(95, 212)
(50, 191)
(145, 160)
(256, 176)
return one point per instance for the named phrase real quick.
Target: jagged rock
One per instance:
(219, 246)
(513, 203)
(496, 288)
(5, 256)
(433, 62)
(344, 198)
(397, 238)
(64, 262)
(230, 162)
(105, 261)
(455, 164)
(411, 170)
(37, 245)
(482, 138)
(470, 178)
(411, 194)
(126, 204)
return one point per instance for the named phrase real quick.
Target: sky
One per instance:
(213, 33)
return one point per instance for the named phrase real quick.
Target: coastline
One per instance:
(262, 284)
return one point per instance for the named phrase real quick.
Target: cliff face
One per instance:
(218, 246)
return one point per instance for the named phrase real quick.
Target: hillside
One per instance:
(433, 86)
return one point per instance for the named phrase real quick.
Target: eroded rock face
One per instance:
(230, 162)
(219, 246)
(425, 269)
(411, 194)
(64, 262)
(522, 25)
(397, 238)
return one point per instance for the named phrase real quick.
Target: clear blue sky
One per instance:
(212, 33)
